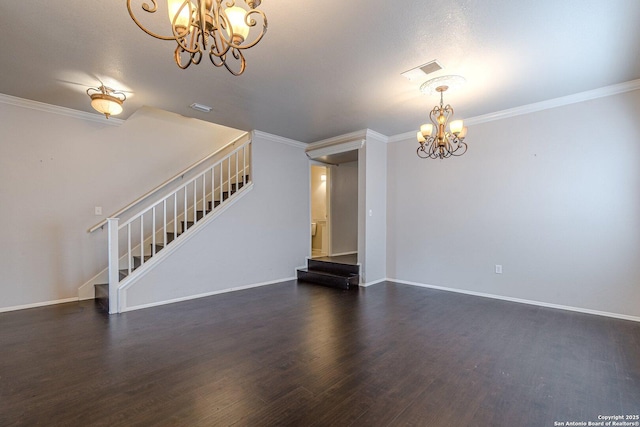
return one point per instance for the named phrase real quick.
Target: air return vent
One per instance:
(421, 71)
(200, 107)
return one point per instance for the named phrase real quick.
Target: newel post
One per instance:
(114, 265)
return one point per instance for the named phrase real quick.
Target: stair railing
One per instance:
(160, 223)
(180, 174)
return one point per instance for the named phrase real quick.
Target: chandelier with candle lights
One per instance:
(218, 28)
(444, 143)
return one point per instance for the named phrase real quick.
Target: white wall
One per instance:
(54, 169)
(552, 196)
(261, 238)
(344, 207)
(372, 165)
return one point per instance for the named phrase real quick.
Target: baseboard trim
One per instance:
(38, 304)
(344, 253)
(375, 282)
(521, 300)
(206, 294)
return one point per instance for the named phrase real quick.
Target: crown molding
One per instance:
(539, 106)
(372, 134)
(56, 109)
(359, 135)
(278, 139)
(557, 102)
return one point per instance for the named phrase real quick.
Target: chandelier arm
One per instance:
(252, 23)
(222, 23)
(238, 56)
(462, 146)
(422, 150)
(219, 47)
(194, 57)
(178, 55)
(149, 9)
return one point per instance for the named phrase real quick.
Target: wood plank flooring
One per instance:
(304, 355)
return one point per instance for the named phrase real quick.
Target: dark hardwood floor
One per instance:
(304, 355)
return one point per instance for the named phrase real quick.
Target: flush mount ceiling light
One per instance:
(444, 144)
(218, 28)
(106, 100)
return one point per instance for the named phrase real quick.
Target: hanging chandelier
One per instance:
(443, 144)
(106, 100)
(218, 28)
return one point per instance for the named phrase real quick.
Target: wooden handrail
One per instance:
(165, 183)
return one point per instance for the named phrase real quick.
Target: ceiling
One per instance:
(329, 69)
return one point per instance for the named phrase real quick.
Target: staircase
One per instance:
(336, 272)
(142, 240)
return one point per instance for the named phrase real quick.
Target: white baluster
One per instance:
(129, 254)
(164, 222)
(153, 232)
(114, 267)
(141, 239)
(195, 201)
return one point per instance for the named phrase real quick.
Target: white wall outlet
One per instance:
(98, 210)
(498, 269)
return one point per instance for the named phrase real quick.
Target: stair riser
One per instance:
(102, 296)
(334, 282)
(333, 267)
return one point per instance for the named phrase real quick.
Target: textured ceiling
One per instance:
(329, 69)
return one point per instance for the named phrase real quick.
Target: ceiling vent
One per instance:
(423, 70)
(200, 107)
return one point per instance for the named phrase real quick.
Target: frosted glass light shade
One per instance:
(420, 137)
(426, 130)
(456, 126)
(236, 16)
(175, 8)
(107, 105)
(463, 133)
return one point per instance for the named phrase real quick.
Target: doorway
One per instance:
(320, 208)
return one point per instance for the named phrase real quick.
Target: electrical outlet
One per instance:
(98, 210)
(498, 269)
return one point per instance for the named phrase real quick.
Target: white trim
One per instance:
(56, 109)
(278, 139)
(539, 106)
(327, 150)
(207, 294)
(348, 137)
(403, 136)
(38, 304)
(344, 253)
(375, 282)
(521, 301)
(377, 135)
(556, 102)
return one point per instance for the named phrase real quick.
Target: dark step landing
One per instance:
(102, 289)
(102, 297)
(330, 273)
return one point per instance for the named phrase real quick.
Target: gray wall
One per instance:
(552, 196)
(344, 208)
(373, 207)
(55, 169)
(261, 238)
